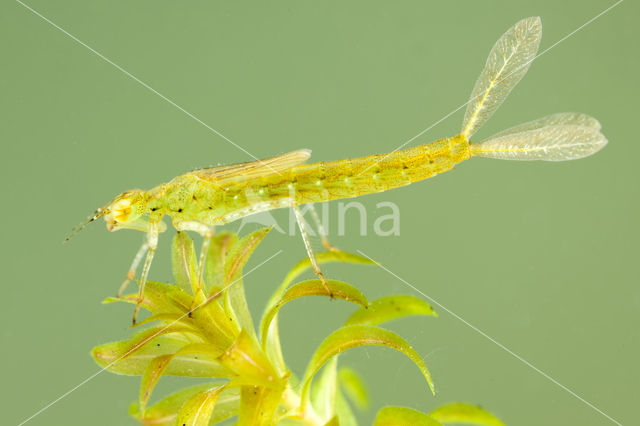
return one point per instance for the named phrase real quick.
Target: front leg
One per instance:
(152, 244)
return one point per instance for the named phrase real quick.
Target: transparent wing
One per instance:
(550, 143)
(561, 118)
(268, 166)
(507, 63)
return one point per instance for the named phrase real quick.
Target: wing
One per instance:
(268, 166)
(562, 118)
(549, 143)
(507, 63)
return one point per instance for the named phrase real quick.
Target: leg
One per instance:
(152, 243)
(323, 232)
(132, 271)
(307, 245)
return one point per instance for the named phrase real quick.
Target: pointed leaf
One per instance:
(344, 411)
(389, 308)
(333, 422)
(354, 387)
(273, 349)
(159, 298)
(246, 359)
(323, 392)
(183, 260)
(258, 405)
(216, 259)
(321, 258)
(158, 365)
(358, 335)
(339, 290)
(197, 410)
(460, 412)
(401, 416)
(110, 356)
(240, 253)
(165, 411)
(167, 320)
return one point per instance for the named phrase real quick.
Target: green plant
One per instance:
(217, 340)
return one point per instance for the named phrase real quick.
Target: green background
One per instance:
(540, 256)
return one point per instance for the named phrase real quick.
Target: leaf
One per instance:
(249, 363)
(197, 410)
(240, 253)
(358, 335)
(460, 412)
(273, 349)
(167, 320)
(235, 302)
(389, 308)
(183, 260)
(136, 363)
(216, 258)
(258, 405)
(150, 377)
(158, 365)
(323, 392)
(343, 411)
(159, 298)
(401, 416)
(338, 289)
(165, 411)
(333, 422)
(353, 385)
(304, 264)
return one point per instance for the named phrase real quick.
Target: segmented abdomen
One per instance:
(376, 173)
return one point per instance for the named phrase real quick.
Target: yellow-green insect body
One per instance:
(201, 199)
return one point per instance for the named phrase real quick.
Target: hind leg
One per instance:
(307, 244)
(321, 230)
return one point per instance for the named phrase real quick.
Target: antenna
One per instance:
(101, 211)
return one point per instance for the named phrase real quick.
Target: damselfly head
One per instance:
(125, 208)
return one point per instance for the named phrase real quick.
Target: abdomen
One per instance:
(376, 173)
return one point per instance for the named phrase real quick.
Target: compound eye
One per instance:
(121, 210)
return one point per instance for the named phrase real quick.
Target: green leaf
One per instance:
(216, 259)
(323, 392)
(258, 405)
(339, 290)
(183, 260)
(354, 387)
(249, 363)
(304, 264)
(240, 253)
(389, 308)
(235, 302)
(110, 356)
(159, 298)
(333, 422)
(197, 410)
(460, 412)
(158, 365)
(344, 411)
(165, 411)
(402, 416)
(358, 335)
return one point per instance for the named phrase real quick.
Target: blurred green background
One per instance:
(540, 256)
